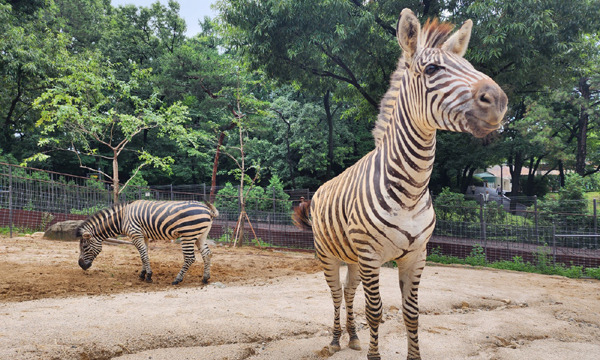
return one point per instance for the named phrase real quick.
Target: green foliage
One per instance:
(476, 257)
(257, 199)
(87, 211)
(451, 206)
(227, 199)
(280, 197)
(568, 207)
(542, 265)
(593, 273)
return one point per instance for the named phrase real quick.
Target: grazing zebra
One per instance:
(380, 209)
(142, 220)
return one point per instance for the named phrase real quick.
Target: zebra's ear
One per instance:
(408, 31)
(459, 41)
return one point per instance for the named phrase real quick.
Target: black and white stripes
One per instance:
(380, 209)
(142, 220)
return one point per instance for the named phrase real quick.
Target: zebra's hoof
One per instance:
(143, 274)
(373, 357)
(205, 280)
(175, 282)
(149, 277)
(333, 348)
(354, 344)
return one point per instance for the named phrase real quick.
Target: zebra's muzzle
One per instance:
(85, 264)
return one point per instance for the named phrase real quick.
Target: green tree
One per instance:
(33, 51)
(517, 42)
(280, 197)
(90, 112)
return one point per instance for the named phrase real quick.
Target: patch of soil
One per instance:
(34, 268)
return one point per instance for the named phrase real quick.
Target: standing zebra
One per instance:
(379, 209)
(141, 220)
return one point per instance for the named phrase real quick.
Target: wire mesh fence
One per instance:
(524, 227)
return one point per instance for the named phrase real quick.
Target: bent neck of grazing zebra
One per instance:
(106, 223)
(411, 151)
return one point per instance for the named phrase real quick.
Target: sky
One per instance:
(190, 10)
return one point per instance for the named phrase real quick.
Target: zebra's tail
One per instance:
(301, 215)
(213, 210)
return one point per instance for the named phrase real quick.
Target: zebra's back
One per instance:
(167, 220)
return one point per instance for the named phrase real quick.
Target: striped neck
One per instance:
(411, 152)
(106, 223)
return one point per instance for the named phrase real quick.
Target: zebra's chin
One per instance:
(481, 128)
(85, 264)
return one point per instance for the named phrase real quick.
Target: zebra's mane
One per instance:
(113, 209)
(433, 34)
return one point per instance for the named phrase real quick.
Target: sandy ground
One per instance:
(272, 305)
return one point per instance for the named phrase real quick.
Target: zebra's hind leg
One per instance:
(352, 281)
(187, 246)
(206, 255)
(331, 270)
(141, 244)
(409, 278)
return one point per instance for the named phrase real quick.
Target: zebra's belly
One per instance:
(172, 233)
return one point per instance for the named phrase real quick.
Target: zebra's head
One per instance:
(89, 246)
(443, 90)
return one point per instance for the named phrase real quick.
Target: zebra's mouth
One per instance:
(85, 264)
(480, 128)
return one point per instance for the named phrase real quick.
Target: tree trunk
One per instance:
(213, 181)
(515, 173)
(561, 174)
(115, 178)
(581, 154)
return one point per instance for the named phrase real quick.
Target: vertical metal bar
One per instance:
(553, 244)
(272, 218)
(10, 207)
(595, 217)
(203, 191)
(535, 214)
(595, 223)
(483, 225)
(171, 191)
(66, 199)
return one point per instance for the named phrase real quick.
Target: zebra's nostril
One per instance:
(484, 99)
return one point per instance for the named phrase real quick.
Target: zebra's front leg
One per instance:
(140, 243)
(189, 258)
(369, 275)
(409, 278)
(331, 270)
(352, 281)
(206, 255)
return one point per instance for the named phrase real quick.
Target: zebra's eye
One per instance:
(431, 69)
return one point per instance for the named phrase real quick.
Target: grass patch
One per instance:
(542, 265)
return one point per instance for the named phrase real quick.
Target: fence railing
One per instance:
(33, 199)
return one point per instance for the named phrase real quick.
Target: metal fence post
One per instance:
(272, 217)
(595, 217)
(10, 207)
(535, 214)
(482, 219)
(553, 244)
(595, 223)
